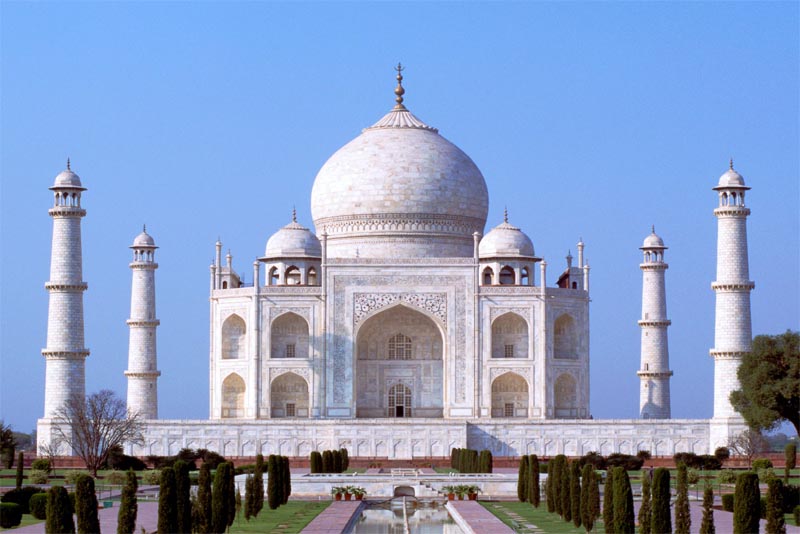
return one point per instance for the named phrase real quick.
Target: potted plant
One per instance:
(450, 491)
(337, 492)
(359, 492)
(472, 492)
(348, 493)
(462, 491)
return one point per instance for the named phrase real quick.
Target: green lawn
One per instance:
(445, 470)
(537, 516)
(289, 518)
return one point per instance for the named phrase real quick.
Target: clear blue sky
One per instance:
(206, 119)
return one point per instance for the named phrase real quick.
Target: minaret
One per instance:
(142, 373)
(66, 352)
(732, 329)
(654, 374)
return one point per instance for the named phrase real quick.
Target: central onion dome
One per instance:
(399, 190)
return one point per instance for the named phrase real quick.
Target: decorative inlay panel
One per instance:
(524, 372)
(275, 372)
(497, 312)
(302, 312)
(433, 303)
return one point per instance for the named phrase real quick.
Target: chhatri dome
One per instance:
(653, 240)
(67, 179)
(399, 189)
(144, 240)
(731, 179)
(293, 241)
(506, 241)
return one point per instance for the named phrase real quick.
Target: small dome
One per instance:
(653, 241)
(505, 240)
(67, 179)
(731, 179)
(144, 240)
(293, 241)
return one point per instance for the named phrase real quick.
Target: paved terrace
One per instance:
(335, 519)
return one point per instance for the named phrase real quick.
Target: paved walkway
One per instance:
(335, 518)
(146, 519)
(474, 518)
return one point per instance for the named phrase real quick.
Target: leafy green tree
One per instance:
(59, 512)
(746, 504)
(86, 505)
(203, 504)
(8, 445)
(575, 492)
(707, 525)
(624, 522)
(683, 518)
(274, 498)
(768, 376)
(775, 521)
(258, 484)
(608, 503)
(645, 509)
(168, 502)
(183, 498)
(522, 478)
(534, 488)
(661, 519)
(566, 505)
(790, 457)
(128, 506)
(20, 468)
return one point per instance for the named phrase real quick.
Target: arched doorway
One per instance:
(289, 337)
(289, 396)
(234, 333)
(510, 336)
(509, 396)
(232, 397)
(399, 346)
(566, 397)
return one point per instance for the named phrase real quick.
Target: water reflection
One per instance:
(391, 518)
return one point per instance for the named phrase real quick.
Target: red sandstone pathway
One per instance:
(334, 519)
(478, 518)
(146, 519)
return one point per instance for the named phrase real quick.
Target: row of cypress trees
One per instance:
(174, 498)
(279, 483)
(329, 461)
(572, 492)
(471, 461)
(254, 490)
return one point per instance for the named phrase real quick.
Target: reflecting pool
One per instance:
(406, 516)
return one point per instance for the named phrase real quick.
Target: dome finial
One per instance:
(653, 228)
(144, 228)
(68, 164)
(731, 164)
(294, 215)
(505, 214)
(399, 91)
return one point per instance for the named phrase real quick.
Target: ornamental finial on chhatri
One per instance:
(653, 228)
(144, 228)
(294, 214)
(399, 91)
(731, 164)
(68, 164)
(505, 214)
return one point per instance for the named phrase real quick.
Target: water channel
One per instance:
(406, 515)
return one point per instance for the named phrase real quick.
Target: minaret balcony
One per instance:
(733, 286)
(66, 211)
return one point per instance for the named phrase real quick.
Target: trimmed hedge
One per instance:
(38, 505)
(762, 463)
(42, 464)
(747, 504)
(59, 511)
(10, 514)
(22, 497)
(727, 502)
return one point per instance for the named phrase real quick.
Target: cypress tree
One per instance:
(608, 503)
(522, 478)
(168, 502)
(624, 522)
(548, 488)
(86, 505)
(683, 519)
(587, 480)
(645, 510)
(258, 483)
(286, 479)
(775, 522)
(128, 506)
(337, 461)
(20, 467)
(661, 519)
(534, 489)
(566, 505)
(556, 475)
(59, 512)
(746, 504)
(249, 497)
(183, 500)
(575, 492)
(238, 501)
(219, 501)
(790, 457)
(707, 526)
(345, 459)
(327, 462)
(273, 481)
(594, 496)
(315, 461)
(453, 454)
(484, 461)
(230, 492)
(203, 508)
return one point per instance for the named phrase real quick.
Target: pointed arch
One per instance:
(510, 395)
(507, 276)
(234, 335)
(233, 389)
(289, 396)
(488, 276)
(510, 336)
(289, 336)
(292, 276)
(565, 391)
(565, 337)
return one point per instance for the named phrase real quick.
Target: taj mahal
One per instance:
(399, 327)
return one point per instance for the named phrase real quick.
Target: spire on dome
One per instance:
(653, 228)
(505, 214)
(294, 215)
(144, 228)
(731, 164)
(68, 168)
(399, 91)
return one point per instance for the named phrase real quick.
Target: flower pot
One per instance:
(338, 496)
(473, 496)
(347, 496)
(451, 496)
(460, 497)
(359, 497)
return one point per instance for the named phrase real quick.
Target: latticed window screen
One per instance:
(399, 347)
(290, 409)
(509, 351)
(290, 350)
(508, 410)
(400, 395)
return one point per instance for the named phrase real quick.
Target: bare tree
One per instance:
(748, 444)
(91, 427)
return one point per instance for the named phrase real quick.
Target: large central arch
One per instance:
(399, 346)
